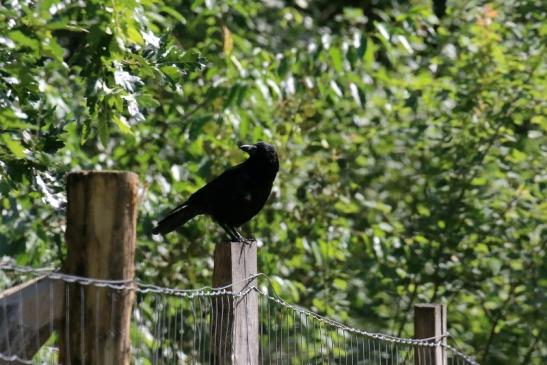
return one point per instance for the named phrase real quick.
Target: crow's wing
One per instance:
(220, 197)
(226, 189)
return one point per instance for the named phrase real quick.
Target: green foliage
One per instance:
(412, 148)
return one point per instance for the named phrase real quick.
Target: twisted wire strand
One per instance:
(15, 359)
(128, 284)
(207, 291)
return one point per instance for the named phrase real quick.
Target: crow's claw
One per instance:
(248, 241)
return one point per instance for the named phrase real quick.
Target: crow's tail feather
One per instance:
(175, 218)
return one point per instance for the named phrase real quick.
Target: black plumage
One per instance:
(233, 197)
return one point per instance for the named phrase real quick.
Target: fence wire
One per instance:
(173, 326)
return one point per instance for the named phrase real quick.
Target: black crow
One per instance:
(233, 197)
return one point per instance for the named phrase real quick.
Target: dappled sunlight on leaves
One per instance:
(412, 148)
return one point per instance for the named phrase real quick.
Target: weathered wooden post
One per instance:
(234, 323)
(430, 322)
(100, 238)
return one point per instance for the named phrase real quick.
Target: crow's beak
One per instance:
(249, 148)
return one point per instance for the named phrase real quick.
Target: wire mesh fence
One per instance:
(174, 326)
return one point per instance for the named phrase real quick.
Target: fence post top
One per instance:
(428, 305)
(100, 172)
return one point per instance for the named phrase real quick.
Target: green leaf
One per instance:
(337, 59)
(362, 46)
(518, 156)
(175, 14)
(340, 284)
(55, 50)
(172, 72)
(370, 53)
(423, 210)
(85, 131)
(147, 101)
(23, 40)
(122, 124)
(134, 35)
(14, 146)
(479, 180)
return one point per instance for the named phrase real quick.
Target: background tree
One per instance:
(412, 147)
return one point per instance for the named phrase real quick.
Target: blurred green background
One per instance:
(411, 135)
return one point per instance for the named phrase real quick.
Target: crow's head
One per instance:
(259, 148)
(261, 151)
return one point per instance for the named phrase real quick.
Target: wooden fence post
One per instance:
(100, 237)
(234, 324)
(429, 322)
